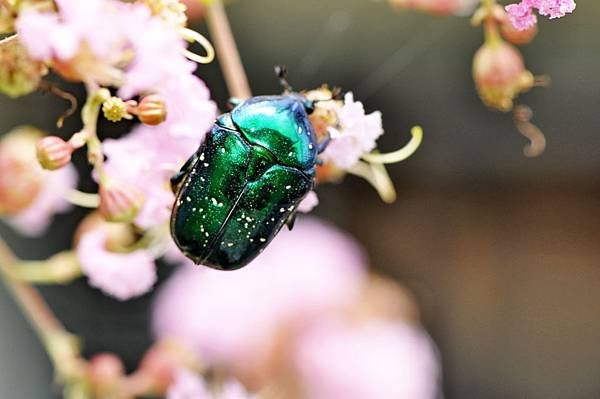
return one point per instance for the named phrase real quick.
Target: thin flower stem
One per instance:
(488, 4)
(378, 177)
(227, 52)
(89, 116)
(59, 344)
(84, 200)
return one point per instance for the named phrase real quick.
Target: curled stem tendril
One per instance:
(193, 36)
(522, 117)
(53, 89)
(401, 154)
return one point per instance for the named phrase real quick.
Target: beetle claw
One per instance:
(178, 177)
(290, 221)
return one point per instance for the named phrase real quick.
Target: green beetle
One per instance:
(245, 181)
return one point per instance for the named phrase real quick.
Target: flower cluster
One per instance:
(522, 16)
(499, 69)
(352, 135)
(145, 58)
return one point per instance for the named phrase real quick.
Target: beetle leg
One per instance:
(323, 144)
(233, 102)
(291, 220)
(178, 177)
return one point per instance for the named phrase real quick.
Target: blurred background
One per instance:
(501, 252)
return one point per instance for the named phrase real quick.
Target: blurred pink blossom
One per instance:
(356, 134)
(367, 360)
(189, 385)
(35, 219)
(121, 275)
(232, 319)
(522, 17)
(308, 203)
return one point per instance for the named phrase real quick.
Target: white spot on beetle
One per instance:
(282, 210)
(202, 157)
(288, 187)
(263, 239)
(205, 163)
(188, 199)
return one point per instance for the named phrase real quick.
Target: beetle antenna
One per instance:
(281, 73)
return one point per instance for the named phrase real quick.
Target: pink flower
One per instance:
(366, 360)
(233, 319)
(522, 17)
(36, 218)
(60, 35)
(121, 275)
(308, 203)
(30, 195)
(188, 385)
(56, 39)
(232, 389)
(77, 38)
(158, 49)
(355, 135)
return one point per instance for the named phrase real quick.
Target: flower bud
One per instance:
(53, 152)
(516, 36)
(19, 74)
(21, 178)
(194, 9)
(119, 202)
(500, 75)
(106, 372)
(152, 110)
(115, 109)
